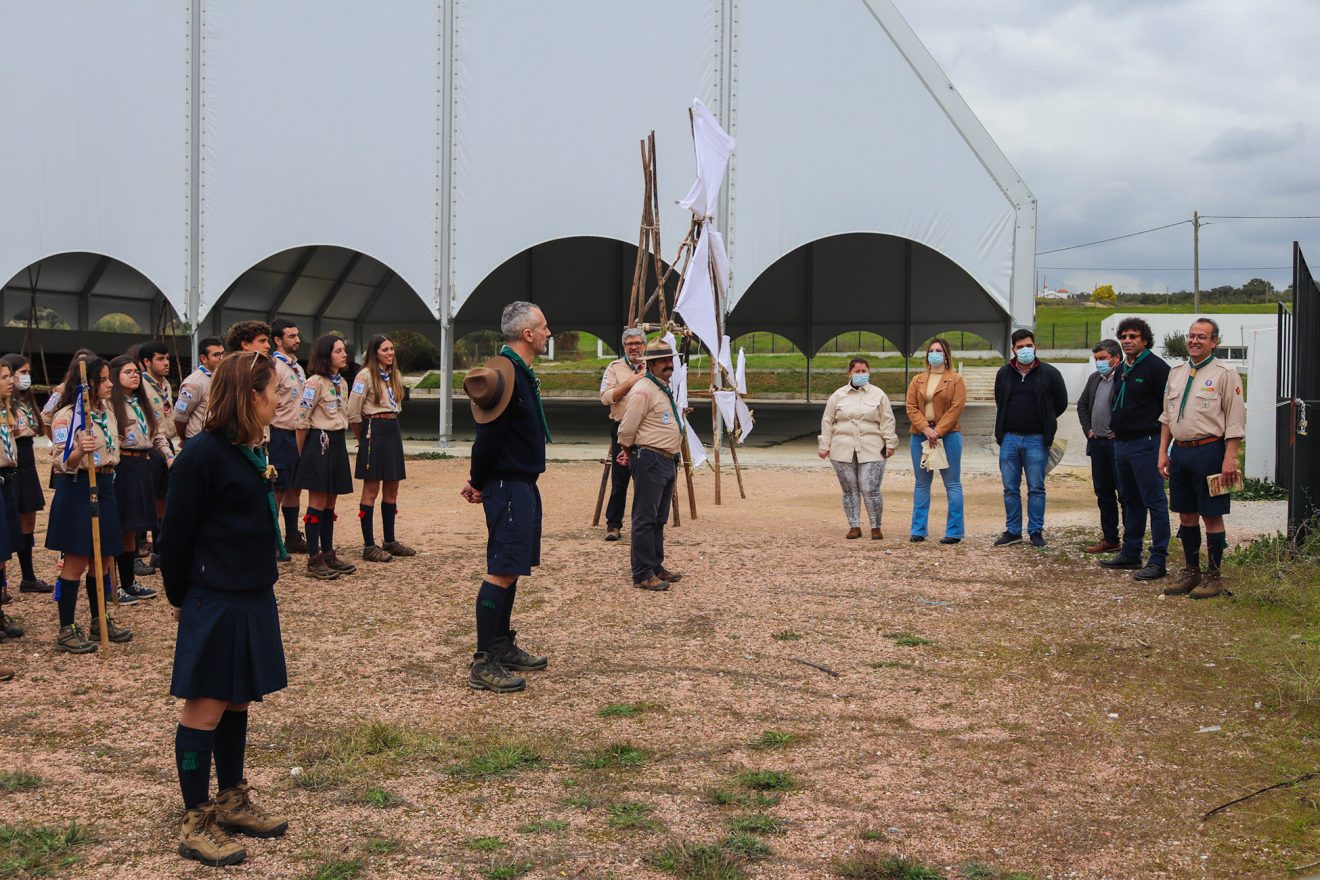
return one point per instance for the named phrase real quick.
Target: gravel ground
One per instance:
(1048, 726)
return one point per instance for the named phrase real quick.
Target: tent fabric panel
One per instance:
(96, 155)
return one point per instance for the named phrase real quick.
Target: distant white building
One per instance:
(1234, 331)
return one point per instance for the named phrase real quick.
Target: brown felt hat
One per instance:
(657, 349)
(489, 388)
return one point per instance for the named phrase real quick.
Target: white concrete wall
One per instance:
(1262, 392)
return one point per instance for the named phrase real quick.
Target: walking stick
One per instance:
(600, 496)
(98, 596)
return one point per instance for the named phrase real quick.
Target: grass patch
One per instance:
(625, 710)
(750, 800)
(787, 635)
(749, 846)
(380, 798)
(976, 871)
(485, 844)
(41, 851)
(506, 870)
(543, 826)
(19, 780)
(498, 760)
(871, 866)
(766, 780)
(757, 823)
(429, 456)
(383, 846)
(698, 861)
(908, 640)
(632, 816)
(338, 869)
(614, 757)
(872, 834)
(774, 739)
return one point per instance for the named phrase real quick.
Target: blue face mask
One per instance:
(1102, 367)
(935, 358)
(859, 379)
(1026, 354)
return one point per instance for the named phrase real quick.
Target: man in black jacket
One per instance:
(1093, 410)
(1029, 396)
(1135, 421)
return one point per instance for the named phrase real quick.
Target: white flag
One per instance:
(740, 373)
(745, 422)
(696, 299)
(696, 449)
(713, 146)
(726, 403)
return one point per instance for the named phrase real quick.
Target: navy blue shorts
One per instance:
(283, 453)
(513, 526)
(1188, 490)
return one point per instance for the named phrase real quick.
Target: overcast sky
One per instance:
(1124, 115)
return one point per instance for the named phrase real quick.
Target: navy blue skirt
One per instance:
(69, 527)
(135, 491)
(228, 646)
(160, 471)
(283, 454)
(11, 530)
(31, 497)
(380, 451)
(323, 466)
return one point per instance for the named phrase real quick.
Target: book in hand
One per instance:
(1222, 484)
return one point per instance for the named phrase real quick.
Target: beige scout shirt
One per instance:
(191, 405)
(289, 379)
(1214, 407)
(648, 419)
(103, 425)
(25, 420)
(858, 421)
(8, 440)
(618, 372)
(363, 401)
(135, 433)
(323, 405)
(162, 403)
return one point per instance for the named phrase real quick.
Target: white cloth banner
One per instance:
(696, 299)
(696, 449)
(740, 373)
(713, 148)
(745, 422)
(678, 384)
(725, 360)
(726, 403)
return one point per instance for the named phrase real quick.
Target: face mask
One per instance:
(859, 379)
(1102, 367)
(935, 358)
(23, 381)
(1026, 354)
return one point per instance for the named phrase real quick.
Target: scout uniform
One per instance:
(374, 406)
(31, 498)
(1203, 409)
(11, 533)
(323, 467)
(191, 405)
(289, 379)
(161, 399)
(652, 431)
(618, 372)
(135, 479)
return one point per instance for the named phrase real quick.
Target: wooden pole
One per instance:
(98, 595)
(737, 468)
(600, 496)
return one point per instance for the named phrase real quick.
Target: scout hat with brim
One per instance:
(657, 349)
(489, 388)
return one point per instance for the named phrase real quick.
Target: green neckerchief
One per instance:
(139, 415)
(536, 386)
(1122, 386)
(101, 419)
(257, 458)
(5, 436)
(682, 429)
(1191, 374)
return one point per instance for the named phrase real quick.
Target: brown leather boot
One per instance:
(876, 534)
(854, 532)
(235, 813)
(1211, 585)
(671, 577)
(397, 548)
(338, 565)
(201, 839)
(652, 583)
(1186, 582)
(1103, 546)
(375, 554)
(317, 568)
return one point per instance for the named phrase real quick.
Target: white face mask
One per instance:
(23, 381)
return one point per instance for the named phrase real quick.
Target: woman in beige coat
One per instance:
(935, 401)
(857, 435)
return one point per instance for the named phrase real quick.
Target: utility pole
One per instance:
(1196, 264)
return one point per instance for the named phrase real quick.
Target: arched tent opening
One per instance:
(116, 322)
(324, 289)
(967, 346)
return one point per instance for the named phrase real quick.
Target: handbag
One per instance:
(933, 457)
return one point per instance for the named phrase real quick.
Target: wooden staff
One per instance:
(737, 468)
(98, 597)
(600, 496)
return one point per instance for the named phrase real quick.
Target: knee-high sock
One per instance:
(313, 523)
(91, 594)
(66, 596)
(25, 558)
(387, 514)
(366, 517)
(192, 758)
(125, 563)
(1191, 544)
(506, 613)
(490, 605)
(230, 744)
(328, 531)
(290, 521)
(1215, 543)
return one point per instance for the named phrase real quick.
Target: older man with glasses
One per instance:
(620, 377)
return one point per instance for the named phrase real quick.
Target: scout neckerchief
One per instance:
(1122, 386)
(204, 371)
(536, 386)
(257, 458)
(298, 371)
(162, 392)
(1191, 374)
(139, 415)
(336, 380)
(101, 418)
(5, 436)
(389, 390)
(682, 429)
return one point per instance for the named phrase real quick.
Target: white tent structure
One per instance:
(420, 163)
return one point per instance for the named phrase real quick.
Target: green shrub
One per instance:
(413, 351)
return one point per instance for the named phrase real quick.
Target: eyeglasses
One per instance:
(1129, 336)
(1198, 337)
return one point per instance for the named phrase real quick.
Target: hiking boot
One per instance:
(671, 577)
(1121, 561)
(949, 539)
(510, 656)
(1037, 540)
(71, 641)
(854, 532)
(235, 813)
(1211, 585)
(144, 550)
(487, 674)
(1007, 538)
(37, 585)
(1104, 545)
(10, 628)
(122, 597)
(916, 539)
(338, 565)
(202, 839)
(116, 633)
(6, 673)
(652, 583)
(613, 533)
(143, 568)
(876, 534)
(317, 568)
(1152, 571)
(372, 553)
(296, 543)
(1189, 580)
(395, 548)
(137, 591)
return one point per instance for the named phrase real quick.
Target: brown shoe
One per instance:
(6, 673)
(72, 641)
(613, 534)
(854, 532)
(1211, 585)
(395, 548)
(876, 534)
(338, 565)
(235, 813)
(317, 568)
(203, 840)
(117, 634)
(1103, 546)
(373, 553)
(668, 576)
(652, 583)
(1187, 581)
(296, 543)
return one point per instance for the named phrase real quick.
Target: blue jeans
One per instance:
(1141, 489)
(952, 477)
(1018, 454)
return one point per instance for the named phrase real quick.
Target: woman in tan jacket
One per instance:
(935, 401)
(857, 435)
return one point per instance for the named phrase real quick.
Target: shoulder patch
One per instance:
(182, 406)
(61, 434)
(309, 393)
(359, 387)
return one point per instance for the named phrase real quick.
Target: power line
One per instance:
(1115, 238)
(1163, 269)
(1257, 217)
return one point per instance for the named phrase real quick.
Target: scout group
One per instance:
(224, 463)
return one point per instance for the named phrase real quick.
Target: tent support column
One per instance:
(446, 425)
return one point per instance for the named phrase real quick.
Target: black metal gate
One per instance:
(1297, 468)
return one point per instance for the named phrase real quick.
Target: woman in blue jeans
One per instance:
(935, 401)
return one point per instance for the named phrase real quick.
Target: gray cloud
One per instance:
(1243, 144)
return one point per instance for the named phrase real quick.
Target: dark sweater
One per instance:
(1051, 397)
(1022, 412)
(1137, 411)
(512, 447)
(218, 532)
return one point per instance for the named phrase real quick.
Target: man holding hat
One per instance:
(620, 377)
(651, 434)
(508, 455)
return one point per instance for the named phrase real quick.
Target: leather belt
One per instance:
(1202, 441)
(658, 451)
(382, 415)
(135, 453)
